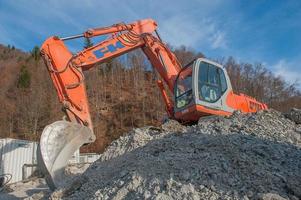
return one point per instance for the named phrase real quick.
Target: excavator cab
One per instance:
(201, 89)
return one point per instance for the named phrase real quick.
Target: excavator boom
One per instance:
(201, 88)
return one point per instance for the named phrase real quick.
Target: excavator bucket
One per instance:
(58, 142)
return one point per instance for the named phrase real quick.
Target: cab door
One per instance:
(184, 89)
(210, 85)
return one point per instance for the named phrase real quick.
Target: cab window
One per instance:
(211, 82)
(184, 88)
(223, 80)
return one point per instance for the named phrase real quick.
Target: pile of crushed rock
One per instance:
(244, 156)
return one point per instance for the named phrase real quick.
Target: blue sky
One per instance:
(267, 31)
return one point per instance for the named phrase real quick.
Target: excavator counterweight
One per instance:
(199, 89)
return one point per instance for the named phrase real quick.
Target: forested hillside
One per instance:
(122, 93)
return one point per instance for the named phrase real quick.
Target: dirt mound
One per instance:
(253, 156)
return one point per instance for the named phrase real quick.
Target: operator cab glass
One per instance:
(183, 88)
(211, 82)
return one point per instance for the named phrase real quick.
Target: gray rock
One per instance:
(271, 196)
(234, 157)
(295, 115)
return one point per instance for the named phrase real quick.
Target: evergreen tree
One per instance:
(35, 53)
(24, 78)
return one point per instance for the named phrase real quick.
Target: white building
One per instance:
(19, 158)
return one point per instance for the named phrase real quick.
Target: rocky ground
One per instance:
(253, 156)
(35, 188)
(250, 156)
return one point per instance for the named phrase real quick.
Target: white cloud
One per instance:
(186, 31)
(180, 24)
(218, 40)
(180, 31)
(288, 70)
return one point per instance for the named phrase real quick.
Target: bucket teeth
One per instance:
(58, 143)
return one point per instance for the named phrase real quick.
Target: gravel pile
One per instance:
(295, 115)
(252, 156)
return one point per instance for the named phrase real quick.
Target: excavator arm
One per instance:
(66, 69)
(61, 139)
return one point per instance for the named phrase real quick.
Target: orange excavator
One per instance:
(200, 88)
